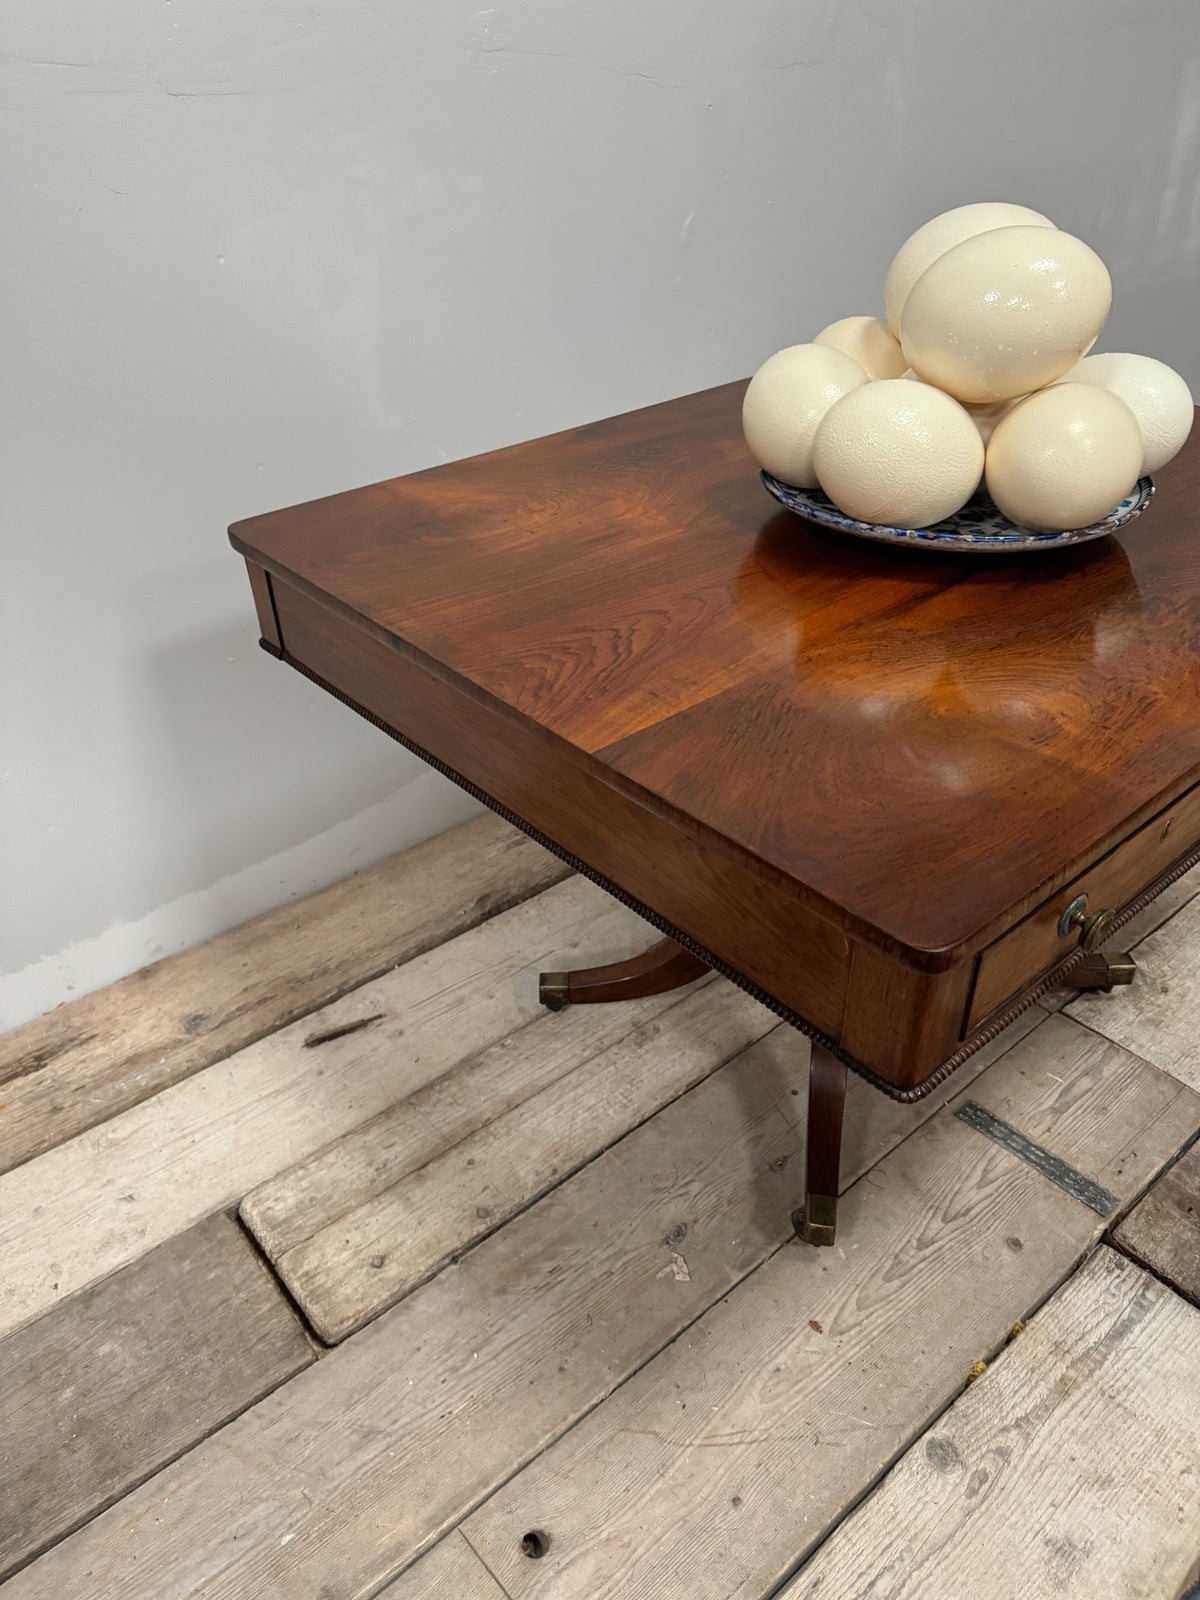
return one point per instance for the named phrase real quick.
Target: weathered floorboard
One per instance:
(344, 1175)
(1158, 1015)
(1070, 1471)
(352, 1269)
(1163, 1229)
(98, 1055)
(1112, 1117)
(340, 1479)
(108, 1387)
(715, 1467)
(450, 1571)
(347, 1474)
(680, 1523)
(84, 1209)
(365, 1218)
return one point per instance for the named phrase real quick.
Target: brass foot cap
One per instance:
(1121, 967)
(816, 1221)
(552, 990)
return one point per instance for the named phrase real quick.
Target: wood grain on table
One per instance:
(922, 742)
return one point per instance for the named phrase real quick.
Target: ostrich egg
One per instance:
(870, 342)
(923, 248)
(1005, 313)
(1154, 392)
(1064, 457)
(898, 452)
(787, 397)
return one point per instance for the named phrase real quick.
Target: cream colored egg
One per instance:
(1154, 392)
(923, 248)
(1064, 457)
(1004, 313)
(986, 415)
(870, 342)
(787, 397)
(898, 452)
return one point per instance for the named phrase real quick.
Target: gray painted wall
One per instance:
(257, 251)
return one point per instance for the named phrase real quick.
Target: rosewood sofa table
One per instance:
(895, 794)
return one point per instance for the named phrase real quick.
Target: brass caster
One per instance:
(816, 1221)
(1121, 967)
(552, 990)
(1102, 970)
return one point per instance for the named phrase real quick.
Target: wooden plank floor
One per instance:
(706, 1462)
(371, 1257)
(87, 1061)
(451, 1569)
(554, 1258)
(109, 1387)
(1068, 1470)
(1162, 1231)
(98, 1201)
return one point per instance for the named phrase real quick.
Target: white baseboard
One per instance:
(426, 806)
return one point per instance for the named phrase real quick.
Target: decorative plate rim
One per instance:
(978, 526)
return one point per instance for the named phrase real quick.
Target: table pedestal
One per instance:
(668, 965)
(664, 966)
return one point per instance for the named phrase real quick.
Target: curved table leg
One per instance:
(664, 966)
(816, 1223)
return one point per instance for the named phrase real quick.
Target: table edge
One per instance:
(930, 959)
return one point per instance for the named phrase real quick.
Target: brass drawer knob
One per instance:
(1094, 927)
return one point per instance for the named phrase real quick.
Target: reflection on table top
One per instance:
(858, 716)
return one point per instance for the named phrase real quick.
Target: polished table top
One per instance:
(918, 742)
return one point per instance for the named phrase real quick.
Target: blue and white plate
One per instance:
(978, 526)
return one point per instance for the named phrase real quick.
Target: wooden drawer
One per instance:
(1034, 945)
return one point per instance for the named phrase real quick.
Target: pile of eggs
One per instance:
(979, 374)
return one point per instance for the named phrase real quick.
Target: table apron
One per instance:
(773, 939)
(901, 1029)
